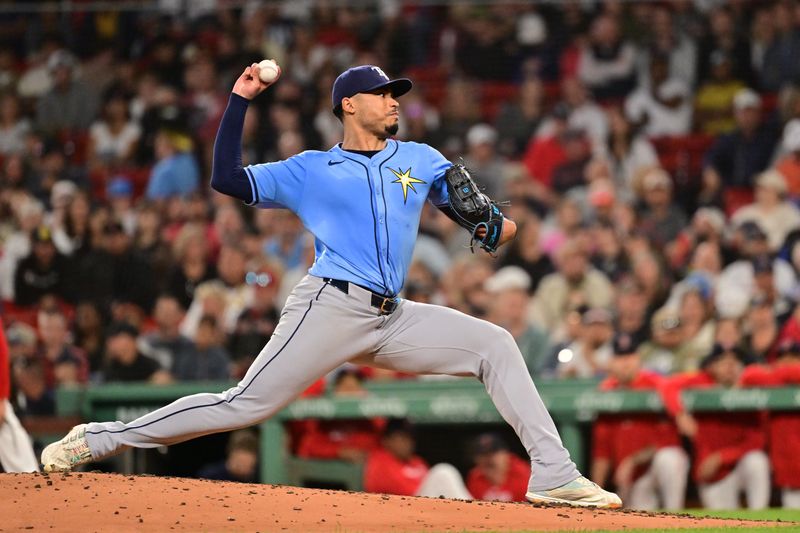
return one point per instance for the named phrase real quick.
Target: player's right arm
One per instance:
(228, 175)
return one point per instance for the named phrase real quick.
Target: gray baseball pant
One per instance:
(321, 328)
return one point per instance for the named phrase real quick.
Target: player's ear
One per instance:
(348, 107)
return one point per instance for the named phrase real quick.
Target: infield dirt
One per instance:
(112, 502)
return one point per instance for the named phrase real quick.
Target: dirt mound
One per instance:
(110, 502)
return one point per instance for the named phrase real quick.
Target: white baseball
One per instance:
(269, 71)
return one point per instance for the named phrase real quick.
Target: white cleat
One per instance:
(69, 452)
(579, 493)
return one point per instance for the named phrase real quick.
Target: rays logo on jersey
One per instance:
(406, 181)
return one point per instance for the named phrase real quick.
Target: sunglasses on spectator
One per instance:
(262, 279)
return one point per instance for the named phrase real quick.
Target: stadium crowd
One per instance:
(650, 152)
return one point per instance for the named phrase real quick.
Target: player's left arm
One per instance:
(455, 194)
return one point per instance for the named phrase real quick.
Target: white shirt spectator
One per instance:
(12, 139)
(107, 145)
(736, 286)
(662, 120)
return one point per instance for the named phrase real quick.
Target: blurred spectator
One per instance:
(113, 138)
(571, 172)
(627, 152)
(662, 106)
(460, 111)
(71, 104)
(395, 469)
(728, 448)
(176, 173)
(607, 62)
(166, 345)
(29, 215)
(738, 283)
(119, 194)
(43, 272)
(660, 353)
(14, 127)
(124, 362)
(773, 212)
(89, 333)
(508, 308)
(661, 220)
(517, 121)
(257, 322)
(640, 453)
(225, 297)
(671, 43)
(287, 241)
(716, 97)
(209, 361)
(546, 150)
(724, 37)
(695, 313)
(485, 165)
(526, 252)
(71, 234)
(192, 266)
(62, 362)
(241, 462)
(498, 474)
(115, 273)
(589, 354)
(609, 257)
(788, 163)
(777, 66)
(736, 158)
(575, 279)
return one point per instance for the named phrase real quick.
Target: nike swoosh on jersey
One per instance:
(331, 163)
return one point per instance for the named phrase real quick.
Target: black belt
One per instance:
(384, 304)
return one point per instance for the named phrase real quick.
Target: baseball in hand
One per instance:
(269, 71)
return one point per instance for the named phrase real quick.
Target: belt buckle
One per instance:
(383, 309)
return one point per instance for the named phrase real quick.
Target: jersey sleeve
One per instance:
(278, 184)
(439, 164)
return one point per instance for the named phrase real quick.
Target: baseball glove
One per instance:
(473, 210)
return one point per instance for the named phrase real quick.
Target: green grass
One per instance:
(783, 515)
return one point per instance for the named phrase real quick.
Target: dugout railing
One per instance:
(444, 402)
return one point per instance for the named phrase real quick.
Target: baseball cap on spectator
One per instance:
(42, 234)
(752, 231)
(122, 328)
(791, 136)
(481, 134)
(746, 99)
(119, 187)
(762, 264)
(531, 29)
(487, 443)
(508, 278)
(625, 344)
(718, 351)
(666, 318)
(596, 315)
(699, 283)
(656, 178)
(772, 179)
(363, 79)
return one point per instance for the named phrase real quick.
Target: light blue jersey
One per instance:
(364, 212)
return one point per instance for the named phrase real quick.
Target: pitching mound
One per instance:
(110, 502)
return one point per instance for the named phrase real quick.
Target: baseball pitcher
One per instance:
(362, 201)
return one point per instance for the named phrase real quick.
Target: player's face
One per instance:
(378, 112)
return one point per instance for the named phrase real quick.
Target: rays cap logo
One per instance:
(363, 79)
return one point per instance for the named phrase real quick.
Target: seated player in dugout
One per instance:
(394, 468)
(362, 201)
(784, 426)
(639, 452)
(498, 474)
(729, 457)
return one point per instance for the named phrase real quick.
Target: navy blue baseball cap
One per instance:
(363, 79)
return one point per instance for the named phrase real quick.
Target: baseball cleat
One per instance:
(580, 493)
(69, 452)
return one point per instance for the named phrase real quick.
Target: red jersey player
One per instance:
(498, 474)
